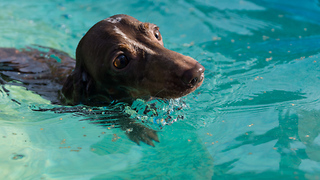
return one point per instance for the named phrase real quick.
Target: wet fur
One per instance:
(92, 79)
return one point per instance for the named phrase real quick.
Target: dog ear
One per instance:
(77, 87)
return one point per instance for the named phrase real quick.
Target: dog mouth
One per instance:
(174, 90)
(171, 89)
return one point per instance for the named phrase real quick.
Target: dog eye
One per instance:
(121, 62)
(157, 34)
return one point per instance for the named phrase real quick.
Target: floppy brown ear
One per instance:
(77, 87)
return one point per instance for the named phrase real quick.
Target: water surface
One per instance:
(256, 116)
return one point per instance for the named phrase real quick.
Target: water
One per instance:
(256, 116)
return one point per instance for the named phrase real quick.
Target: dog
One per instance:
(119, 59)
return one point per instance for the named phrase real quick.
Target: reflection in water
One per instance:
(297, 139)
(140, 121)
(309, 133)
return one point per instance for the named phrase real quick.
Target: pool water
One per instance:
(256, 116)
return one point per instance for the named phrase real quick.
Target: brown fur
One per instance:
(93, 79)
(160, 75)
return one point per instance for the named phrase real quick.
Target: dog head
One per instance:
(123, 58)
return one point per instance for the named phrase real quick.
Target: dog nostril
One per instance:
(193, 76)
(194, 81)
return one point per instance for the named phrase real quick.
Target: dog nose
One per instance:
(193, 76)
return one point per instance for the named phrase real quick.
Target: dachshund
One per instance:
(119, 59)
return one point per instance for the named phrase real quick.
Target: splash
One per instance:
(156, 113)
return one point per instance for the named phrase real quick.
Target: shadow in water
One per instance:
(294, 127)
(140, 121)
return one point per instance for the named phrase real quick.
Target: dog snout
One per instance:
(193, 76)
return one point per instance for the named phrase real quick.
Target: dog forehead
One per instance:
(128, 23)
(122, 18)
(124, 29)
(133, 41)
(113, 20)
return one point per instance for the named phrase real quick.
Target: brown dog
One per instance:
(122, 58)
(119, 59)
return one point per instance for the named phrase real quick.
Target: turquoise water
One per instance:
(256, 116)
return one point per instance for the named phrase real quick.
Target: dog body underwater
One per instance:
(118, 59)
